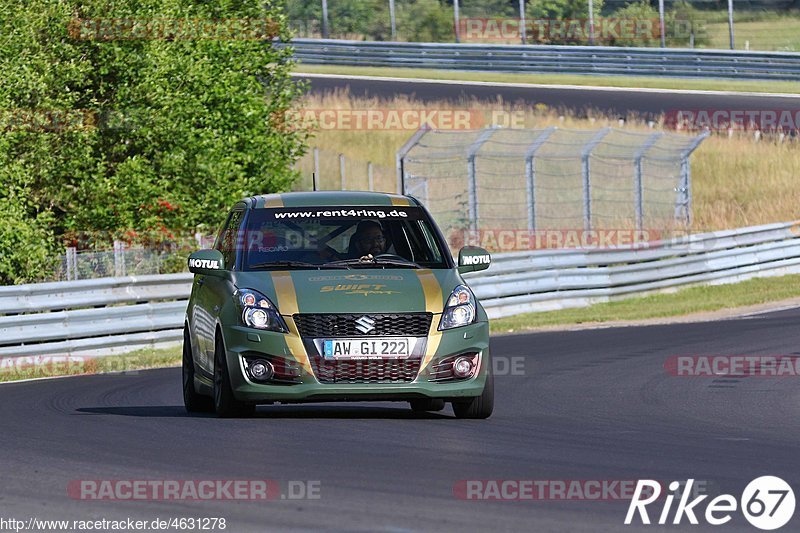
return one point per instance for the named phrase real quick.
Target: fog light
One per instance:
(462, 367)
(261, 370)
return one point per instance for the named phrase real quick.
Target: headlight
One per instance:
(258, 312)
(460, 309)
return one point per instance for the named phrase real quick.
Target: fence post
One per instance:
(530, 174)
(119, 259)
(638, 190)
(472, 175)
(72, 263)
(401, 155)
(683, 201)
(370, 180)
(341, 172)
(585, 174)
(68, 253)
(316, 169)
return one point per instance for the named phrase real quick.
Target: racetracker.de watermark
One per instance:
(511, 240)
(33, 366)
(193, 489)
(173, 29)
(394, 119)
(554, 489)
(74, 120)
(581, 30)
(778, 120)
(768, 366)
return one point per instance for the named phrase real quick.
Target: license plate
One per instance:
(366, 348)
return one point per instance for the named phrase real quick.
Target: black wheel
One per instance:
(194, 402)
(225, 404)
(480, 406)
(426, 404)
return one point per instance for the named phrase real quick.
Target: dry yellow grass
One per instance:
(736, 181)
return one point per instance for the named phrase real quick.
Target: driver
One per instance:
(369, 238)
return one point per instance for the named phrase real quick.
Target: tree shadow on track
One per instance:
(283, 411)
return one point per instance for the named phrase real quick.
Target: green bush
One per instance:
(682, 20)
(425, 21)
(165, 133)
(638, 11)
(574, 13)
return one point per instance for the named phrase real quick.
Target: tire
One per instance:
(225, 404)
(480, 406)
(194, 402)
(426, 404)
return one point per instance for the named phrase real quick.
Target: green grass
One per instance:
(682, 302)
(764, 35)
(45, 366)
(563, 79)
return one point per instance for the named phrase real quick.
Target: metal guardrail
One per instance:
(556, 59)
(94, 316)
(546, 280)
(90, 317)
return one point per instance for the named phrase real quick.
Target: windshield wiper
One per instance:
(291, 264)
(370, 262)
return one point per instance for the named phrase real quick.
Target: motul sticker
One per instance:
(208, 264)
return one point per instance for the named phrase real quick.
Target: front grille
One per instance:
(344, 325)
(366, 371)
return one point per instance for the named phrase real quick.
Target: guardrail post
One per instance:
(370, 180)
(472, 176)
(585, 174)
(638, 190)
(530, 174)
(401, 155)
(683, 200)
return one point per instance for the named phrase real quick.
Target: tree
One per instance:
(113, 135)
(562, 21)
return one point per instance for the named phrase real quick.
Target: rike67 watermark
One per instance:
(767, 503)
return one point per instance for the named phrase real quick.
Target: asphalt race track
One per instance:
(623, 103)
(588, 405)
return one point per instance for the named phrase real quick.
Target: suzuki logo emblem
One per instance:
(365, 324)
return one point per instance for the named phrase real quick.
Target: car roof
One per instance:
(329, 198)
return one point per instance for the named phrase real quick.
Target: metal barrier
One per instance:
(555, 59)
(88, 317)
(545, 280)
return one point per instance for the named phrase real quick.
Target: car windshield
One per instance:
(340, 237)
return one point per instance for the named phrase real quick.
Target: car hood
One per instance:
(353, 291)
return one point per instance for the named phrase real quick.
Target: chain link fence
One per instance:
(763, 25)
(546, 179)
(337, 172)
(123, 260)
(490, 179)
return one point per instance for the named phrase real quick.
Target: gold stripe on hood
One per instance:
(433, 304)
(287, 305)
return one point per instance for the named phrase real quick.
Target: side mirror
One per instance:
(472, 259)
(207, 262)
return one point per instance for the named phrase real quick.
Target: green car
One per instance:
(335, 296)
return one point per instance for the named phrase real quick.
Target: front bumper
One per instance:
(242, 342)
